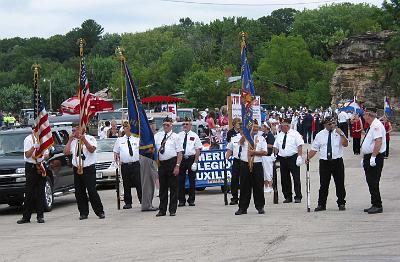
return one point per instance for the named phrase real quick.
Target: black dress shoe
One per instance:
(342, 207)
(367, 209)
(288, 200)
(192, 204)
(375, 210)
(233, 202)
(172, 214)
(240, 212)
(102, 216)
(319, 208)
(82, 217)
(23, 221)
(261, 211)
(297, 200)
(160, 214)
(40, 220)
(127, 206)
(181, 204)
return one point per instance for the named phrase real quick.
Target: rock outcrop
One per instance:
(360, 71)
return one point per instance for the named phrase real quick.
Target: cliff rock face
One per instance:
(360, 72)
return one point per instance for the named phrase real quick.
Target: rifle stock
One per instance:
(308, 184)
(117, 189)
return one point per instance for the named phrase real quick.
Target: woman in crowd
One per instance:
(356, 129)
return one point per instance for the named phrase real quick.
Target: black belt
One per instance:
(331, 160)
(188, 157)
(130, 163)
(168, 160)
(288, 157)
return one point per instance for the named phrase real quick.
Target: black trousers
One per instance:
(345, 128)
(251, 181)
(87, 181)
(186, 169)
(288, 166)
(307, 134)
(387, 148)
(34, 192)
(327, 169)
(373, 176)
(131, 178)
(356, 145)
(168, 181)
(235, 180)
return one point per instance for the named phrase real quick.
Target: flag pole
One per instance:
(81, 43)
(35, 136)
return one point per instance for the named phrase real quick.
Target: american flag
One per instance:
(84, 102)
(42, 131)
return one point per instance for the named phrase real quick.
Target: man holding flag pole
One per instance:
(35, 149)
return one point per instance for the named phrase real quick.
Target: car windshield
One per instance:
(105, 145)
(182, 114)
(110, 115)
(12, 143)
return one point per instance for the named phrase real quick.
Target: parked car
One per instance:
(59, 179)
(186, 112)
(105, 165)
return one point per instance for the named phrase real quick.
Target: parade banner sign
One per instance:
(170, 108)
(237, 107)
(211, 169)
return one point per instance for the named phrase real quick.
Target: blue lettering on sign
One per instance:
(211, 169)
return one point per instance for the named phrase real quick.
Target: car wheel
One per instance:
(200, 188)
(48, 195)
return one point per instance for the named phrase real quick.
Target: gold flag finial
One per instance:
(243, 36)
(119, 52)
(36, 68)
(81, 42)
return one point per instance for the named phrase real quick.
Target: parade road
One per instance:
(211, 232)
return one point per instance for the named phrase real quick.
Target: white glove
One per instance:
(36, 146)
(273, 158)
(39, 160)
(194, 167)
(372, 161)
(299, 161)
(362, 162)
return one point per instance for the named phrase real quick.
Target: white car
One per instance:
(105, 165)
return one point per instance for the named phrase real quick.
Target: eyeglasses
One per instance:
(185, 124)
(166, 125)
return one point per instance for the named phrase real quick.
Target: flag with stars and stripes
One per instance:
(84, 102)
(42, 131)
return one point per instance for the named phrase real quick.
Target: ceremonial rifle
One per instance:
(308, 184)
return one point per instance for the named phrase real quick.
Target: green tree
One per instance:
(15, 97)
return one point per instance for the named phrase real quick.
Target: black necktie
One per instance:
(130, 147)
(284, 141)
(240, 151)
(329, 148)
(184, 144)
(162, 147)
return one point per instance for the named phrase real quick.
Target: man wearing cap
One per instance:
(373, 148)
(329, 143)
(126, 152)
(233, 146)
(169, 150)
(191, 151)
(35, 182)
(87, 180)
(251, 170)
(289, 148)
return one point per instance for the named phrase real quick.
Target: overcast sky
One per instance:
(44, 18)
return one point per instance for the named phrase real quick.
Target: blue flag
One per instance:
(247, 98)
(138, 121)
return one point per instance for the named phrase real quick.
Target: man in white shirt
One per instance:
(251, 172)
(288, 146)
(169, 151)
(86, 180)
(126, 151)
(191, 145)
(343, 122)
(35, 182)
(373, 148)
(329, 143)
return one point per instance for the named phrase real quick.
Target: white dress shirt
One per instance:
(261, 145)
(342, 117)
(376, 130)
(320, 144)
(234, 145)
(121, 147)
(172, 145)
(192, 142)
(28, 144)
(293, 140)
(90, 158)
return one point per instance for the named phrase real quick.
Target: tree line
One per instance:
(289, 52)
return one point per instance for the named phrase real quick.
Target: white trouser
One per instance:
(268, 166)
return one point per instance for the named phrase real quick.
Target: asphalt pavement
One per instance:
(211, 232)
